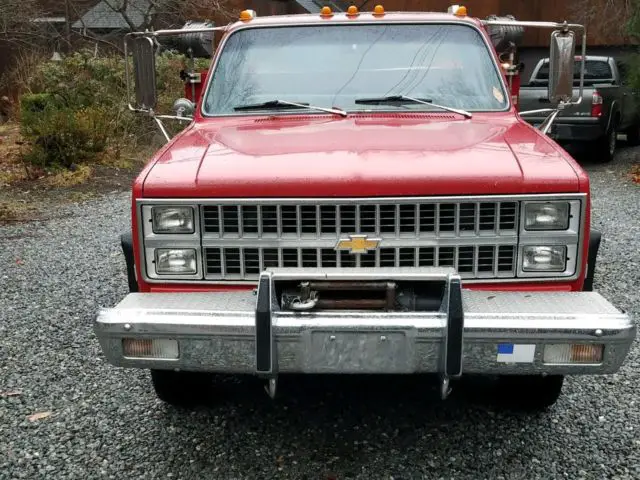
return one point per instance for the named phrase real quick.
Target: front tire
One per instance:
(181, 389)
(529, 392)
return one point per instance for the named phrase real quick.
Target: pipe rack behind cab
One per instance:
(503, 30)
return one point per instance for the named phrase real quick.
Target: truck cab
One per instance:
(356, 193)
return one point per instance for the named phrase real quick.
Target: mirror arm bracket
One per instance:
(545, 126)
(161, 126)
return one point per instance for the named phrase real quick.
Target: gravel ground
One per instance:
(105, 422)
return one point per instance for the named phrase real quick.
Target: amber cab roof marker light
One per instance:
(378, 11)
(461, 11)
(326, 12)
(458, 10)
(247, 15)
(352, 11)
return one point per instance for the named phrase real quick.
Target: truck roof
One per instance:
(361, 17)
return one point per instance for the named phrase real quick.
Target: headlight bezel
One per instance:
(572, 237)
(152, 241)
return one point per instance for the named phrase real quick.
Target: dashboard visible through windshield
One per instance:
(336, 66)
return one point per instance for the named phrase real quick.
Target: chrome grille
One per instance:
(478, 238)
(386, 220)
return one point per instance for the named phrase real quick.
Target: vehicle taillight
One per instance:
(596, 105)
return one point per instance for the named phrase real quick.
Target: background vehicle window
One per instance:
(593, 70)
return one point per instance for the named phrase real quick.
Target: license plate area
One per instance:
(360, 352)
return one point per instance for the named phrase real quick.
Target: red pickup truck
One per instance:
(356, 193)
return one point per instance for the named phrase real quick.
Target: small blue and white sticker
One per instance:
(513, 353)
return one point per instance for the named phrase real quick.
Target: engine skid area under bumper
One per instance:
(454, 330)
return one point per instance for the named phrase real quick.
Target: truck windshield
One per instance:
(329, 66)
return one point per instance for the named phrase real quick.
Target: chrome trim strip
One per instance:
(331, 242)
(361, 200)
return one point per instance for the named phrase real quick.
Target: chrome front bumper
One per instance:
(472, 332)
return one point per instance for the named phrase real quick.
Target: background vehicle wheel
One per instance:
(181, 389)
(633, 136)
(529, 392)
(606, 146)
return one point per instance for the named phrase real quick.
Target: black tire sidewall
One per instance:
(529, 392)
(633, 136)
(181, 389)
(603, 152)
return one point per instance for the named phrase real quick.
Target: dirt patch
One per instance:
(635, 173)
(28, 193)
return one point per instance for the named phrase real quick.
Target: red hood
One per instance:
(362, 155)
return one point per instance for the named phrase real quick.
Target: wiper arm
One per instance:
(404, 99)
(282, 104)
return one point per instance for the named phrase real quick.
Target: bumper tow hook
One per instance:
(445, 389)
(270, 387)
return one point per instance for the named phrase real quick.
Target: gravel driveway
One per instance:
(105, 422)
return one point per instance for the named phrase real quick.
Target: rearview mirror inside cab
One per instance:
(561, 66)
(144, 72)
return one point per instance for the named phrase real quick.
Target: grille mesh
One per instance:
(478, 238)
(397, 220)
(482, 261)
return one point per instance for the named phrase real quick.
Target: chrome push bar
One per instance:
(268, 307)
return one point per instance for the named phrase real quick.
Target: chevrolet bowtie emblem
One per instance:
(358, 244)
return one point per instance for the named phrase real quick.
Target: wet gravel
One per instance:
(102, 422)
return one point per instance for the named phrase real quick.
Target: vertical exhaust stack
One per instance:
(194, 44)
(197, 44)
(505, 37)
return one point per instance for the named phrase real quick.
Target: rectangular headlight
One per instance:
(175, 261)
(550, 258)
(546, 216)
(172, 219)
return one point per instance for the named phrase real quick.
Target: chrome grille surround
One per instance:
(480, 236)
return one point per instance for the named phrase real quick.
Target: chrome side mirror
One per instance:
(144, 72)
(183, 107)
(561, 66)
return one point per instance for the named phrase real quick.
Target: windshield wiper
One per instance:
(282, 104)
(404, 99)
